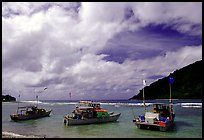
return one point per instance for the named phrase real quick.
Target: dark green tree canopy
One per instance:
(8, 98)
(187, 84)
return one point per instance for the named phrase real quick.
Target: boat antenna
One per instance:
(133, 112)
(37, 97)
(18, 101)
(68, 101)
(37, 100)
(171, 81)
(144, 83)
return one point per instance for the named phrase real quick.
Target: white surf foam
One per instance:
(14, 135)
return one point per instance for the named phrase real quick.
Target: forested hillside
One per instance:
(187, 84)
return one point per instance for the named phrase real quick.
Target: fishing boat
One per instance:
(29, 112)
(161, 117)
(89, 112)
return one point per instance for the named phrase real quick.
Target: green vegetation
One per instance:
(187, 85)
(8, 98)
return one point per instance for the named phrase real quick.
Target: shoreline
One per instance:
(6, 134)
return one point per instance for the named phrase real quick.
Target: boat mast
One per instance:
(18, 103)
(37, 99)
(144, 83)
(170, 101)
(171, 80)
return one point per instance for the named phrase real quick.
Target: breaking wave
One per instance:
(192, 105)
(15, 135)
(127, 104)
(32, 102)
(116, 104)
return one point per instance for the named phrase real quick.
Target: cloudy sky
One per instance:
(95, 50)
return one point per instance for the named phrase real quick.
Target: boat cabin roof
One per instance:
(89, 104)
(23, 107)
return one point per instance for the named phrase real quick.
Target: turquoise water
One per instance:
(188, 121)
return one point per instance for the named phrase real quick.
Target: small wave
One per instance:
(126, 104)
(32, 102)
(187, 106)
(63, 103)
(102, 103)
(51, 103)
(191, 105)
(15, 135)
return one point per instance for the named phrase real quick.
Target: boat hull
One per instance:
(19, 117)
(111, 118)
(161, 118)
(159, 126)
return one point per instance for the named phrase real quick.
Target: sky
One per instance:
(95, 50)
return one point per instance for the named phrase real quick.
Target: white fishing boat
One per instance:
(161, 117)
(89, 113)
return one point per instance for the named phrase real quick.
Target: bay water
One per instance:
(188, 120)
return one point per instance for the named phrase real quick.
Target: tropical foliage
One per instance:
(187, 85)
(8, 98)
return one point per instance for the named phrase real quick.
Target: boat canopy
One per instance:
(90, 104)
(22, 107)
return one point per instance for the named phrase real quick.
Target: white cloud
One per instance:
(181, 15)
(56, 45)
(93, 75)
(173, 60)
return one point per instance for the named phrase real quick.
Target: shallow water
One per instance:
(188, 121)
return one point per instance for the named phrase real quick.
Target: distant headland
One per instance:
(8, 98)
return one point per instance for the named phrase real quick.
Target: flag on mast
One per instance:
(171, 80)
(144, 82)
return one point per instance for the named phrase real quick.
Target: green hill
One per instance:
(187, 84)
